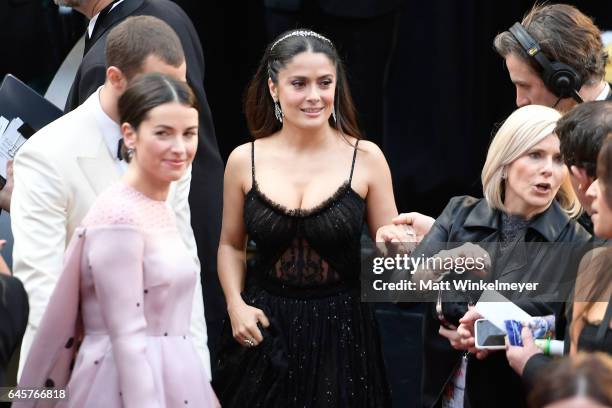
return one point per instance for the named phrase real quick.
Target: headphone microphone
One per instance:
(560, 79)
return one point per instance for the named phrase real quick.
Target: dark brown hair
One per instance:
(565, 35)
(604, 167)
(582, 131)
(582, 375)
(150, 91)
(134, 39)
(258, 104)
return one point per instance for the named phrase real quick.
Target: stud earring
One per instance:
(278, 112)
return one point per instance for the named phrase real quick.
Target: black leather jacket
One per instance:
(490, 382)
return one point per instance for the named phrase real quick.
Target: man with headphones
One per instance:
(555, 57)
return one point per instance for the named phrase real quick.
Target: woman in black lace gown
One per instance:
(299, 334)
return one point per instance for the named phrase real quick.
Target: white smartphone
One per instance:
(488, 336)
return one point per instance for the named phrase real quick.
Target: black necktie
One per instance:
(119, 146)
(101, 16)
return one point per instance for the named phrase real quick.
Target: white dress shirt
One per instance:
(604, 94)
(111, 132)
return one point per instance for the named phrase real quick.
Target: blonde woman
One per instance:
(527, 198)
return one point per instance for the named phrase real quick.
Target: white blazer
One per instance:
(59, 172)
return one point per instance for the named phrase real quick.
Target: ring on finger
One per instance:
(249, 342)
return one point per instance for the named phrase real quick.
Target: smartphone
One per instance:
(488, 336)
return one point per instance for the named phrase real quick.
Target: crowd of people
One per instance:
(131, 283)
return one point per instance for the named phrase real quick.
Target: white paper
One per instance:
(496, 308)
(3, 124)
(10, 142)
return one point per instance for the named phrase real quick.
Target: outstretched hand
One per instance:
(466, 332)
(406, 230)
(421, 223)
(518, 356)
(396, 234)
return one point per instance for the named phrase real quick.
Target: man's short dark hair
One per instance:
(565, 35)
(134, 39)
(582, 131)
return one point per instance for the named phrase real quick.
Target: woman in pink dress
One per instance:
(126, 291)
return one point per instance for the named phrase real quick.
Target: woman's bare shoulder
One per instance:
(239, 160)
(240, 154)
(370, 153)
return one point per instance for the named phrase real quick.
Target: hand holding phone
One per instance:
(488, 336)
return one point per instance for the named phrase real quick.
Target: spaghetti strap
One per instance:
(253, 161)
(352, 164)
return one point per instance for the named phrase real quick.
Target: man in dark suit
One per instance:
(206, 193)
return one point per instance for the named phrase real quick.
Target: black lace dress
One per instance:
(322, 348)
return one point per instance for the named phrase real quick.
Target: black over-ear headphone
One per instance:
(560, 79)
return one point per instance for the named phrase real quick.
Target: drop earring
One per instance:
(278, 112)
(334, 113)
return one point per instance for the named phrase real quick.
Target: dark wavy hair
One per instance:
(259, 106)
(604, 167)
(582, 131)
(150, 91)
(565, 35)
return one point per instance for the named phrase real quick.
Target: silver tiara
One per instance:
(301, 33)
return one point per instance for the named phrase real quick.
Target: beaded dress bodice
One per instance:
(301, 249)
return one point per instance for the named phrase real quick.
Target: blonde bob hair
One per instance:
(525, 128)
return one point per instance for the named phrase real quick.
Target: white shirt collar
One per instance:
(109, 129)
(604, 94)
(92, 22)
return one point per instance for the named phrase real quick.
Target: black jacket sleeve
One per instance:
(533, 368)
(13, 316)
(88, 79)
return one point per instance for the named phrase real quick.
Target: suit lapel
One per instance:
(123, 10)
(99, 170)
(92, 155)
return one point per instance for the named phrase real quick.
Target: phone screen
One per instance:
(488, 334)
